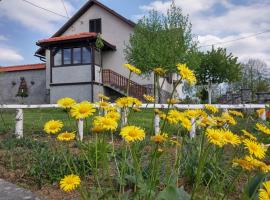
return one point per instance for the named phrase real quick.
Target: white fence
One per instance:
(19, 114)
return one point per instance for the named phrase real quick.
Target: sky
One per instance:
(213, 21)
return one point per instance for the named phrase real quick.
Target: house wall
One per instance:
(116, 32)
(10, 82)
(80, 92)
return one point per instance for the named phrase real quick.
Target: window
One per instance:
(95, 25)
(67, 56)
(86, 55)
(58, 57)
(72, 56)
(77, 59)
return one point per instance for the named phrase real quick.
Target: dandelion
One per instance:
(125, 102)
(53, 126)
(97, 129)
(264, 193)
(70, 182)
(174, 116)
(195, 113)
(186, 74)
(113, 115)
(211, 108)
(159, 71)
(103, 97)
(82, 110)
(186, 123)
(247, 165)
(263, 128)
(132, 68)
(159, 138)
(173, 101)
(260, 112)
(107, 123)
(215, 136)
(66, 136)
(236, 113)
(249, 135)
(132, 133)
(255, 148)
(206, 121)
(103, 104)
(66, 102)
(228, 118)
(231, 138)
(149, 98)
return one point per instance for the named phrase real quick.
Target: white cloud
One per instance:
(3, 38)
(8, 54)
(35, 18)
(235, 21)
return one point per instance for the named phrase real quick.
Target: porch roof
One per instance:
(15, 68)
(79, 37)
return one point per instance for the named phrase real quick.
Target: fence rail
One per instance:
(19, 114)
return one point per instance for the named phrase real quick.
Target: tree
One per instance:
(255, 76)
(217, 66)
(161, 41)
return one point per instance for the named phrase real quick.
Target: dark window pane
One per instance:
(77, 56)
(67, 56)
(95, 25)
(86, 55)
(58, 58)
(97, 58)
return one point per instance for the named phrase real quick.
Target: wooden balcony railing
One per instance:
(119, 82)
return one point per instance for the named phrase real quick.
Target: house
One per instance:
(75, 67)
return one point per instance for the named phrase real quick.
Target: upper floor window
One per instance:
(95, 25)
(72, 56)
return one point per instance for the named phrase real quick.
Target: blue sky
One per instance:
(214, 21)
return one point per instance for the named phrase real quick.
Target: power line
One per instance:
(65, 8)
(37, 6)
(234, 40)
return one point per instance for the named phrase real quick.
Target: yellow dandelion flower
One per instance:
(206, 121)
(174, 116)
(263, 128)
(215, 136)
(66, 136)
(173, 101)
(103, 97)
(236, 113)
(53, 126)
(186, 123)
(255, 148)
(114, 115)
(186, 74)
(149, 98)
(70, 182)
(103, 104)
(247, 165)
(219, 121)
(195, 113)
(128, 102)
(82, 110)
(159, 71)
(132, 133)
(132, 68)
(231, 138)
(264, 193)
(211, 108)
(106, 123)
(66, 102)
(260, 112)
(228, 118)
(111, 109)
(97, 129)
(159, 138)
(249, 135)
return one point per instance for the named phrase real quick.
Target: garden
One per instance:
(121, 156)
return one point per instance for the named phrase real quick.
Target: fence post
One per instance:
(192, 131)
(156, 123)
(19, 123)
(123, 117)
(80, 130)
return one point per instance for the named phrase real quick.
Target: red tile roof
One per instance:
(69, 37)
(38, 66)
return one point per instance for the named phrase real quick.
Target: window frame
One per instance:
(71, 56)
(95, 25)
